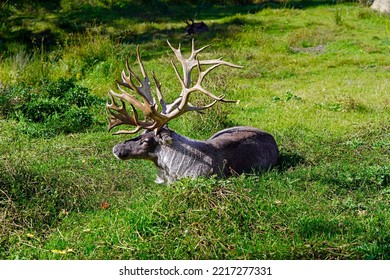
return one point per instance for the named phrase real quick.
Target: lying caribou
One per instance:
(195, 27)
(231, 151)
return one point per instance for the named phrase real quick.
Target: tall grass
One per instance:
(67, 197)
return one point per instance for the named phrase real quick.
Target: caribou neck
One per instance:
(182, 157)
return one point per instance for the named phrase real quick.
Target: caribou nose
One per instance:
(118, 151)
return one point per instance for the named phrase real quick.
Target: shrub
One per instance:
(11, 99)
(56, 107)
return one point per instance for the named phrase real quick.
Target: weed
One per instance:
(288, 96)
(338, 17)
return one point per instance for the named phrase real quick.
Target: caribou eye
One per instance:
(145, 141)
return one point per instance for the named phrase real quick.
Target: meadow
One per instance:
(316, 76)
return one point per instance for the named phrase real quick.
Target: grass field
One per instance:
(316, 75)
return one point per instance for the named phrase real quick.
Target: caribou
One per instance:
(195, 27)
(234, 150)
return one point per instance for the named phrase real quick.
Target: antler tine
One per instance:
(144, 85)
(173, 49)
(141, 66)
(126, 96)
(201, 108)
(198, 85)
(154, 120)
(122, 117)
(219, 61)
(195, 52)
(181, 105)
(192, 61)
(201, 76)
(131, 74)
(182, 82)
(148, 107)
(159, 94)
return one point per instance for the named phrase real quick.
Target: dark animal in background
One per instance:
(231, 151)
(196, 27)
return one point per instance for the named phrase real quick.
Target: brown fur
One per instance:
(231, 151)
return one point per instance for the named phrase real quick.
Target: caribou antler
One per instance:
(153, 119)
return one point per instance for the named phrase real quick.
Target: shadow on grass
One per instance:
(288, 161)
(17, 30)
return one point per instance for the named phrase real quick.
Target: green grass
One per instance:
(64, 196)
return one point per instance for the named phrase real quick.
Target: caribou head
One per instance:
(230, 151)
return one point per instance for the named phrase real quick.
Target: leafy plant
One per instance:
(56, 107)
(287, 97)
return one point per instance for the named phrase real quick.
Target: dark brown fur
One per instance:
(196, 27)
(231, 151)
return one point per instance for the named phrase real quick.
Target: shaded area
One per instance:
(288, 161)
(36, 23)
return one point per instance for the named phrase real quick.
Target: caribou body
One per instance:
(231, 151)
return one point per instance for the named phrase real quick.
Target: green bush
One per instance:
(74, 119)
(39, 110)
(11, 99)
(56, 107)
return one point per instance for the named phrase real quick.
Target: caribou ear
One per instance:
(165, 137)
(167, 140)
